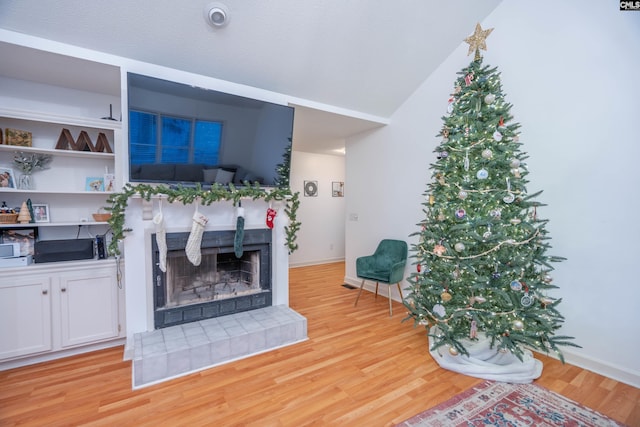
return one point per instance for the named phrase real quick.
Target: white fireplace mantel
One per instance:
(136, 249)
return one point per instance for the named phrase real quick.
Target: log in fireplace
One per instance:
(222, 284)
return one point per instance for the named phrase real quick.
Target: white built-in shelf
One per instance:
(52, 224)
(60, 153)
(60, 119)
(75, 193)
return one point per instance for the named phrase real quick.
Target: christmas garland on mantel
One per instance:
(188, 195)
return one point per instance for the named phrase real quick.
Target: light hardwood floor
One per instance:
(359, 368)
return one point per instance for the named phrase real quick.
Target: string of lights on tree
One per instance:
(481, 258)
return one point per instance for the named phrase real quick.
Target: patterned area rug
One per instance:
(514, 405)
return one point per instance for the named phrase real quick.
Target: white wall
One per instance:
(569, 68)
(321, 237)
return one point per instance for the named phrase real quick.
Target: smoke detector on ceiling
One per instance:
(216, 15)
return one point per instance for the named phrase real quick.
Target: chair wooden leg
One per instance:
(376, 297)
(390, 309)
(400, 290)
(359, 292)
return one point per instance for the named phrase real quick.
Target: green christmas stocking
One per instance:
(237, 242)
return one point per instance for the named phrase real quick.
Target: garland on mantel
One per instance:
(188, 195)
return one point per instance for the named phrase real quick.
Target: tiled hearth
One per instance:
(170, 352)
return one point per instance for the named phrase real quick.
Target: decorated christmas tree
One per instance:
(482, 268)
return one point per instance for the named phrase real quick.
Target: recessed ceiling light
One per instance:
(216, 15)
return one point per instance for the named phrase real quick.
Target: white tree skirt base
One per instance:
(488, 363)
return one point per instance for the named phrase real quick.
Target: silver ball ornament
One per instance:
(518, 325)
(453, 351)
(489, 99)
(514, 163)
(459, 247)
(487, 154)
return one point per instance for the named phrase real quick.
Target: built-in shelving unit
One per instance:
(60, 308)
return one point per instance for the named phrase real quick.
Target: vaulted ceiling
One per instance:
(365, 56)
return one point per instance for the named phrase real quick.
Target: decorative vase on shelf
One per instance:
(25, 182)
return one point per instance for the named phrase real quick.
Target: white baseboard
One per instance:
(316, 262)
(45, 357)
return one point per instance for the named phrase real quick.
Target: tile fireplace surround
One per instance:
(138, 274)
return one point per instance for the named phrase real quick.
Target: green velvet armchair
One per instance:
(386, 266)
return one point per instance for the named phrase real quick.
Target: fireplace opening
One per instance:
(221, 284)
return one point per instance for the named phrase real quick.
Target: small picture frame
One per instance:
(109, 182)
(94, 183)
(311, 188)
(41, 212)
(7, 178)
(337, 189)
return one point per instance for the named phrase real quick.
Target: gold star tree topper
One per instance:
(477, 40)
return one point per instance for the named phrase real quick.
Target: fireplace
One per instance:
(222, 284)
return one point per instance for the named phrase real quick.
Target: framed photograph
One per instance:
(337, 189)
(7, 178)
(109, 182)
(94, 183)
(40, 213)
(25, 236)
(311, 188)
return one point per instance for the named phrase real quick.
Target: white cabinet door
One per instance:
(88, 306)
(25, 316)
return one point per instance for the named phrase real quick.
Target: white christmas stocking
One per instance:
(195, 238)
(161, 240)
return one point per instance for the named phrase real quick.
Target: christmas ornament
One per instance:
(418, 267)
(497, 136)
(482, 174)
(516, 285)
(501, 123)
(443, 154)
(526, 300)
(515, 221)
(439, 310)
(459, 247)
(480, 299)
(271, 214)
(496, 213)
(509, 198)
(466, 160)
(432, 199)
(514, 163)
(453, 351)
(518, 325)
(516, 172)
(546, 301)
(489, 99)
(456, 273)
(487, 154)
(460, 213)
(441, 216)
(445, 296)
(462, 194)
(473, 331)
(439, 250)
(468, 79)
(194, 241)
(547, 278)
(487, 233)
(478, 40)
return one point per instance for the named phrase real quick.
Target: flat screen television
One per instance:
(181, 134)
